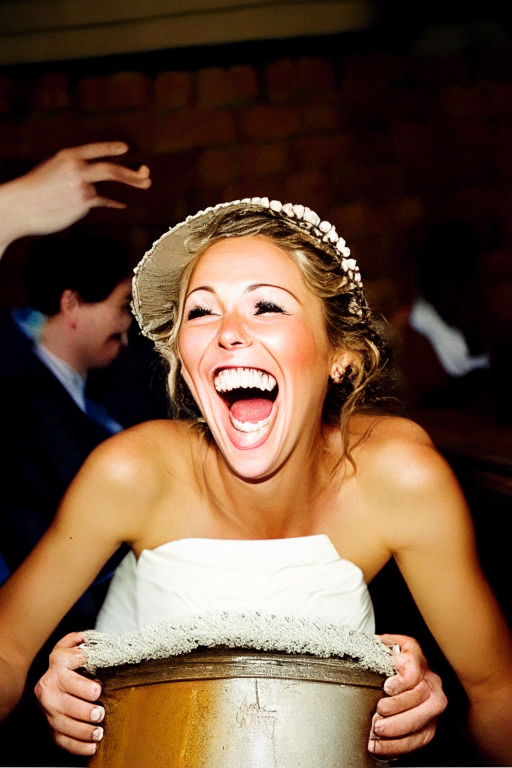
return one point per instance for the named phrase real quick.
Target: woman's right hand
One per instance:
(68, 699)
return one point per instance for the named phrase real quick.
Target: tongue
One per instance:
(254, 409)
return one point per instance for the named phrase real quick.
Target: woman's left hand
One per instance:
(406, 719)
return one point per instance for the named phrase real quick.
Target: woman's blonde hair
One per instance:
(361, 332)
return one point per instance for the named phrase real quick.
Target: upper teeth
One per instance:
(235, 378)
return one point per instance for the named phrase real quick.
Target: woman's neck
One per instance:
(283, 504)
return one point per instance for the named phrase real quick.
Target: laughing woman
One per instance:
(277, 367)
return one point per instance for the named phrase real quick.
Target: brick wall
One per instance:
(384, 145)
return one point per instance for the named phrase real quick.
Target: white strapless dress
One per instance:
(302, 576)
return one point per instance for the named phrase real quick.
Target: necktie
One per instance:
(98, 413)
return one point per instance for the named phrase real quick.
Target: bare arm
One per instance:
(429, 531)
(38, 595)
(60, 191)
(102, 508)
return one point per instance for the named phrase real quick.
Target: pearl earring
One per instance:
(337, 374)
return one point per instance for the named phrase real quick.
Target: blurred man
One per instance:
(46, 352)
(78, 292)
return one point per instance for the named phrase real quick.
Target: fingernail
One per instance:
(371, 745)
(97, 734)
(97, 691)
(97, 714)
(378, 727)
(390, 686)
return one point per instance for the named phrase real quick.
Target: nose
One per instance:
(233, 332)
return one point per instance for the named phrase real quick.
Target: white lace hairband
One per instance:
(154, 272)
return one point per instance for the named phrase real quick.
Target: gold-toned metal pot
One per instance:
(238, 709)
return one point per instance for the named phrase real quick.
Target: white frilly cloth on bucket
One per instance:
(255, 630)
(285, 595)
(302, 576)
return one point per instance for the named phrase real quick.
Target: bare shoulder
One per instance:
(383, 428)
(128, 474)
(410, 490)
(146, 449)
(147, 446)
(398, 452)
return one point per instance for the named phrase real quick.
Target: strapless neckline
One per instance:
(309, 548)
(310, 545)
(302, 575)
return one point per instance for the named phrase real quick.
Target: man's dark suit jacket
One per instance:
(46, 438)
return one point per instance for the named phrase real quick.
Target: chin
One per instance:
(253, 460)
(103, 362)
(108, 357)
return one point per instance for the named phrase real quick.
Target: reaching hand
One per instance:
(406, 719)
(67, 699)
(60, 191)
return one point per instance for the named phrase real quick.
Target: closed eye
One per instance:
(198, 312)
(268, 306)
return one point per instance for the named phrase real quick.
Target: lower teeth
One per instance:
(249, 426)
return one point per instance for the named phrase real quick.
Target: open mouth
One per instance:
(249, 395)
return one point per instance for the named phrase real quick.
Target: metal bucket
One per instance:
(238, 709)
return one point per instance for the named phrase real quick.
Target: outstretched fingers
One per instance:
(105, 171)
(99, 149)
(105, 202)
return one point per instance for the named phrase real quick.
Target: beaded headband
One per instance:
(154, 273)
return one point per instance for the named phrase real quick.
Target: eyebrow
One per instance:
(249, 288)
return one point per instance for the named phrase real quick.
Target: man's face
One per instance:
(101, 328)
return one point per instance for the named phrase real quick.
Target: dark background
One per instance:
(400, 135)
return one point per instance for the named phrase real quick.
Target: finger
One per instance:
(70, 640)
(103, 171)
(75, 709)
(405, 723)
(76, 729)
(104, 202)
(100, 149)
(67, 658)
(410, 670)
(74, 746)
(409, 662)
(58, 681)
(76, 685)
(56, 698)
(395, 747)
(405, 644)
(393, 705)
(71, 657)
